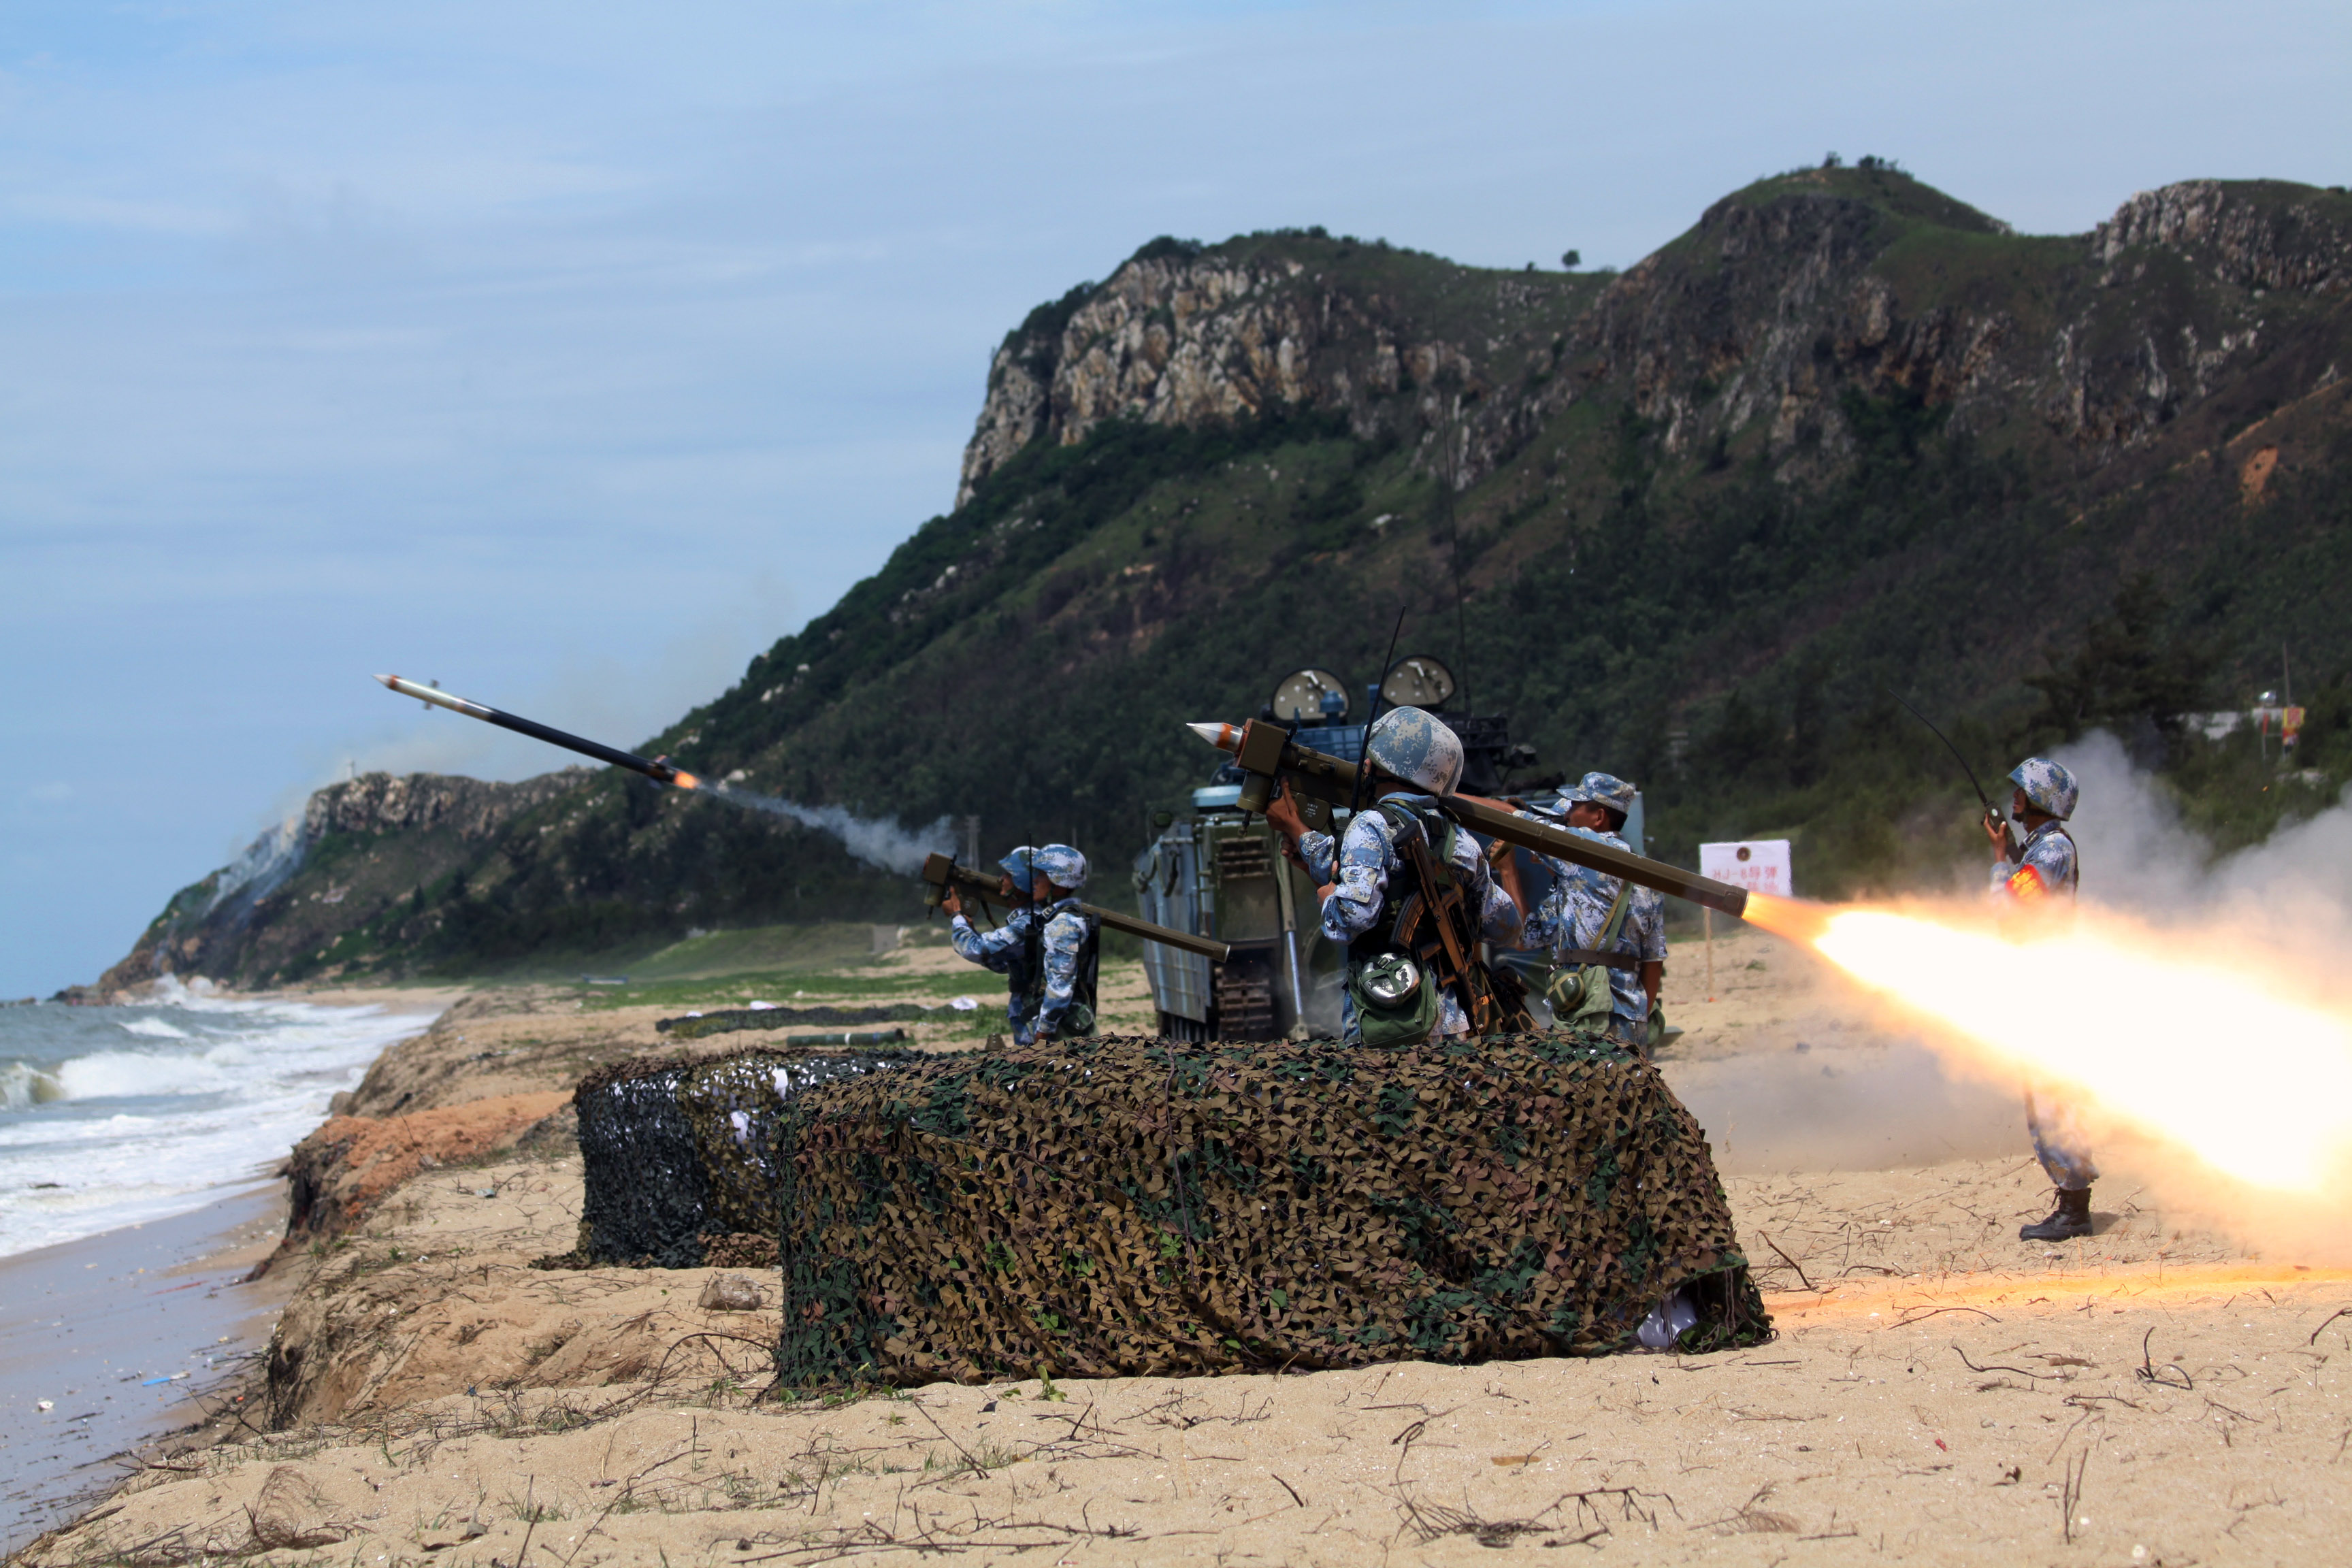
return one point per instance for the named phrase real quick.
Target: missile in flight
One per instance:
(658, 769)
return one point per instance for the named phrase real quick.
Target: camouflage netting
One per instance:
(1122, 1206)
(699, 1025)
(677, 1154)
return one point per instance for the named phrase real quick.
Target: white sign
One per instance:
(1758, 865)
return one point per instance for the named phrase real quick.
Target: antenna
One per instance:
(1364, 751)
(1452, 475)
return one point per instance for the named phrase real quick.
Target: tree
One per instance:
(2127, 672)
(1571, 259)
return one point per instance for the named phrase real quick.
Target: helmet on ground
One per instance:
(1409, 745)
(1016, 864)
(1602, 789)
(1060, 865)
(2048, 786)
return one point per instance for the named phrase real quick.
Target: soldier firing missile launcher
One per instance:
(1268, 757)
(944, 875)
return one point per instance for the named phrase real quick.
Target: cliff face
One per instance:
(360, 849)
(1183, 336)
(1687, 522)
(1783, 297)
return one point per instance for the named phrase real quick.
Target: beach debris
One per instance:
(45, 1404)
(290, 1514)
(730, 1293)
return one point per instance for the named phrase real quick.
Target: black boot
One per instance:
(2070, 1219)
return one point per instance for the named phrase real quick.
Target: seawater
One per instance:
(115, 1116)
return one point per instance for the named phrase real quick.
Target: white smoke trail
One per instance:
(2291, 894)
(876, 841)
(267, 862)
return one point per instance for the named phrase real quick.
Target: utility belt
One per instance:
(1583, 956)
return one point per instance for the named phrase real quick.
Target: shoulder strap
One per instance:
(1610, 927)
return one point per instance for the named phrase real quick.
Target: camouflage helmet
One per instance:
(1409, 745)
(1060, 865)
(1602, 789)
(1016, 864)
(2048, 786)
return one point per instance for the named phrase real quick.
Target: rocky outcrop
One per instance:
(389, 803)
(215, 927)
(1755, 324)
(2251, 236)
(1183, 335)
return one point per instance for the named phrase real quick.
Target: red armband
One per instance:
(2026, 886)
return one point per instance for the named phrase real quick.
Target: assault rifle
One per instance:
(1268, 757)
(944, 875)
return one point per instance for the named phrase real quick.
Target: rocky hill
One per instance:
(1690, 522)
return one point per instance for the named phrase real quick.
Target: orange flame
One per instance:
(2211, 1059)
(686, 781)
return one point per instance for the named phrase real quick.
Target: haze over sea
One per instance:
(115, 1116)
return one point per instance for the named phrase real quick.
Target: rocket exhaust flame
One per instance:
(2118, 1015)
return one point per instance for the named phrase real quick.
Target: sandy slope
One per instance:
(1937, 1393)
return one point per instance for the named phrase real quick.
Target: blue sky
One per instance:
(569, 355)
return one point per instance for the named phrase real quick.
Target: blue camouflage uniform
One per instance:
(1574, 913)
(1368, 856)
(2042, 883)
(1067, 949)
(1010, 949)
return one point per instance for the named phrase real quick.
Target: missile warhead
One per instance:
(435, 696)
(1224, 737)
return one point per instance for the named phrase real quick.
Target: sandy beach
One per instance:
(1937, 1392)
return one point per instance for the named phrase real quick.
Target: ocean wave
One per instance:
(24, 1086)
(197, 1093)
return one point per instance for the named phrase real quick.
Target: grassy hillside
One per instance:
(1691, 523)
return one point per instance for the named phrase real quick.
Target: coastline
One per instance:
(87, 1324)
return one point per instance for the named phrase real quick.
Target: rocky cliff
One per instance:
(1689, 521)
(360, 849)
(1780, 298)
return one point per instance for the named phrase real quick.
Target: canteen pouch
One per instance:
(1395, 997)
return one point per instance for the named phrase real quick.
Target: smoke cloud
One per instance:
(2287, 901)
(876, 841)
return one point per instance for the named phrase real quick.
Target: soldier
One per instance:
(1011, 950)
(1411, 896)
(1607, 937)
(1069, 943)
(2035, 882)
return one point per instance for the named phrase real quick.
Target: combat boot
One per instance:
(2070, 1219)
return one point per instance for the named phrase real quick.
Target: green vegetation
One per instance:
(1659, 570)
